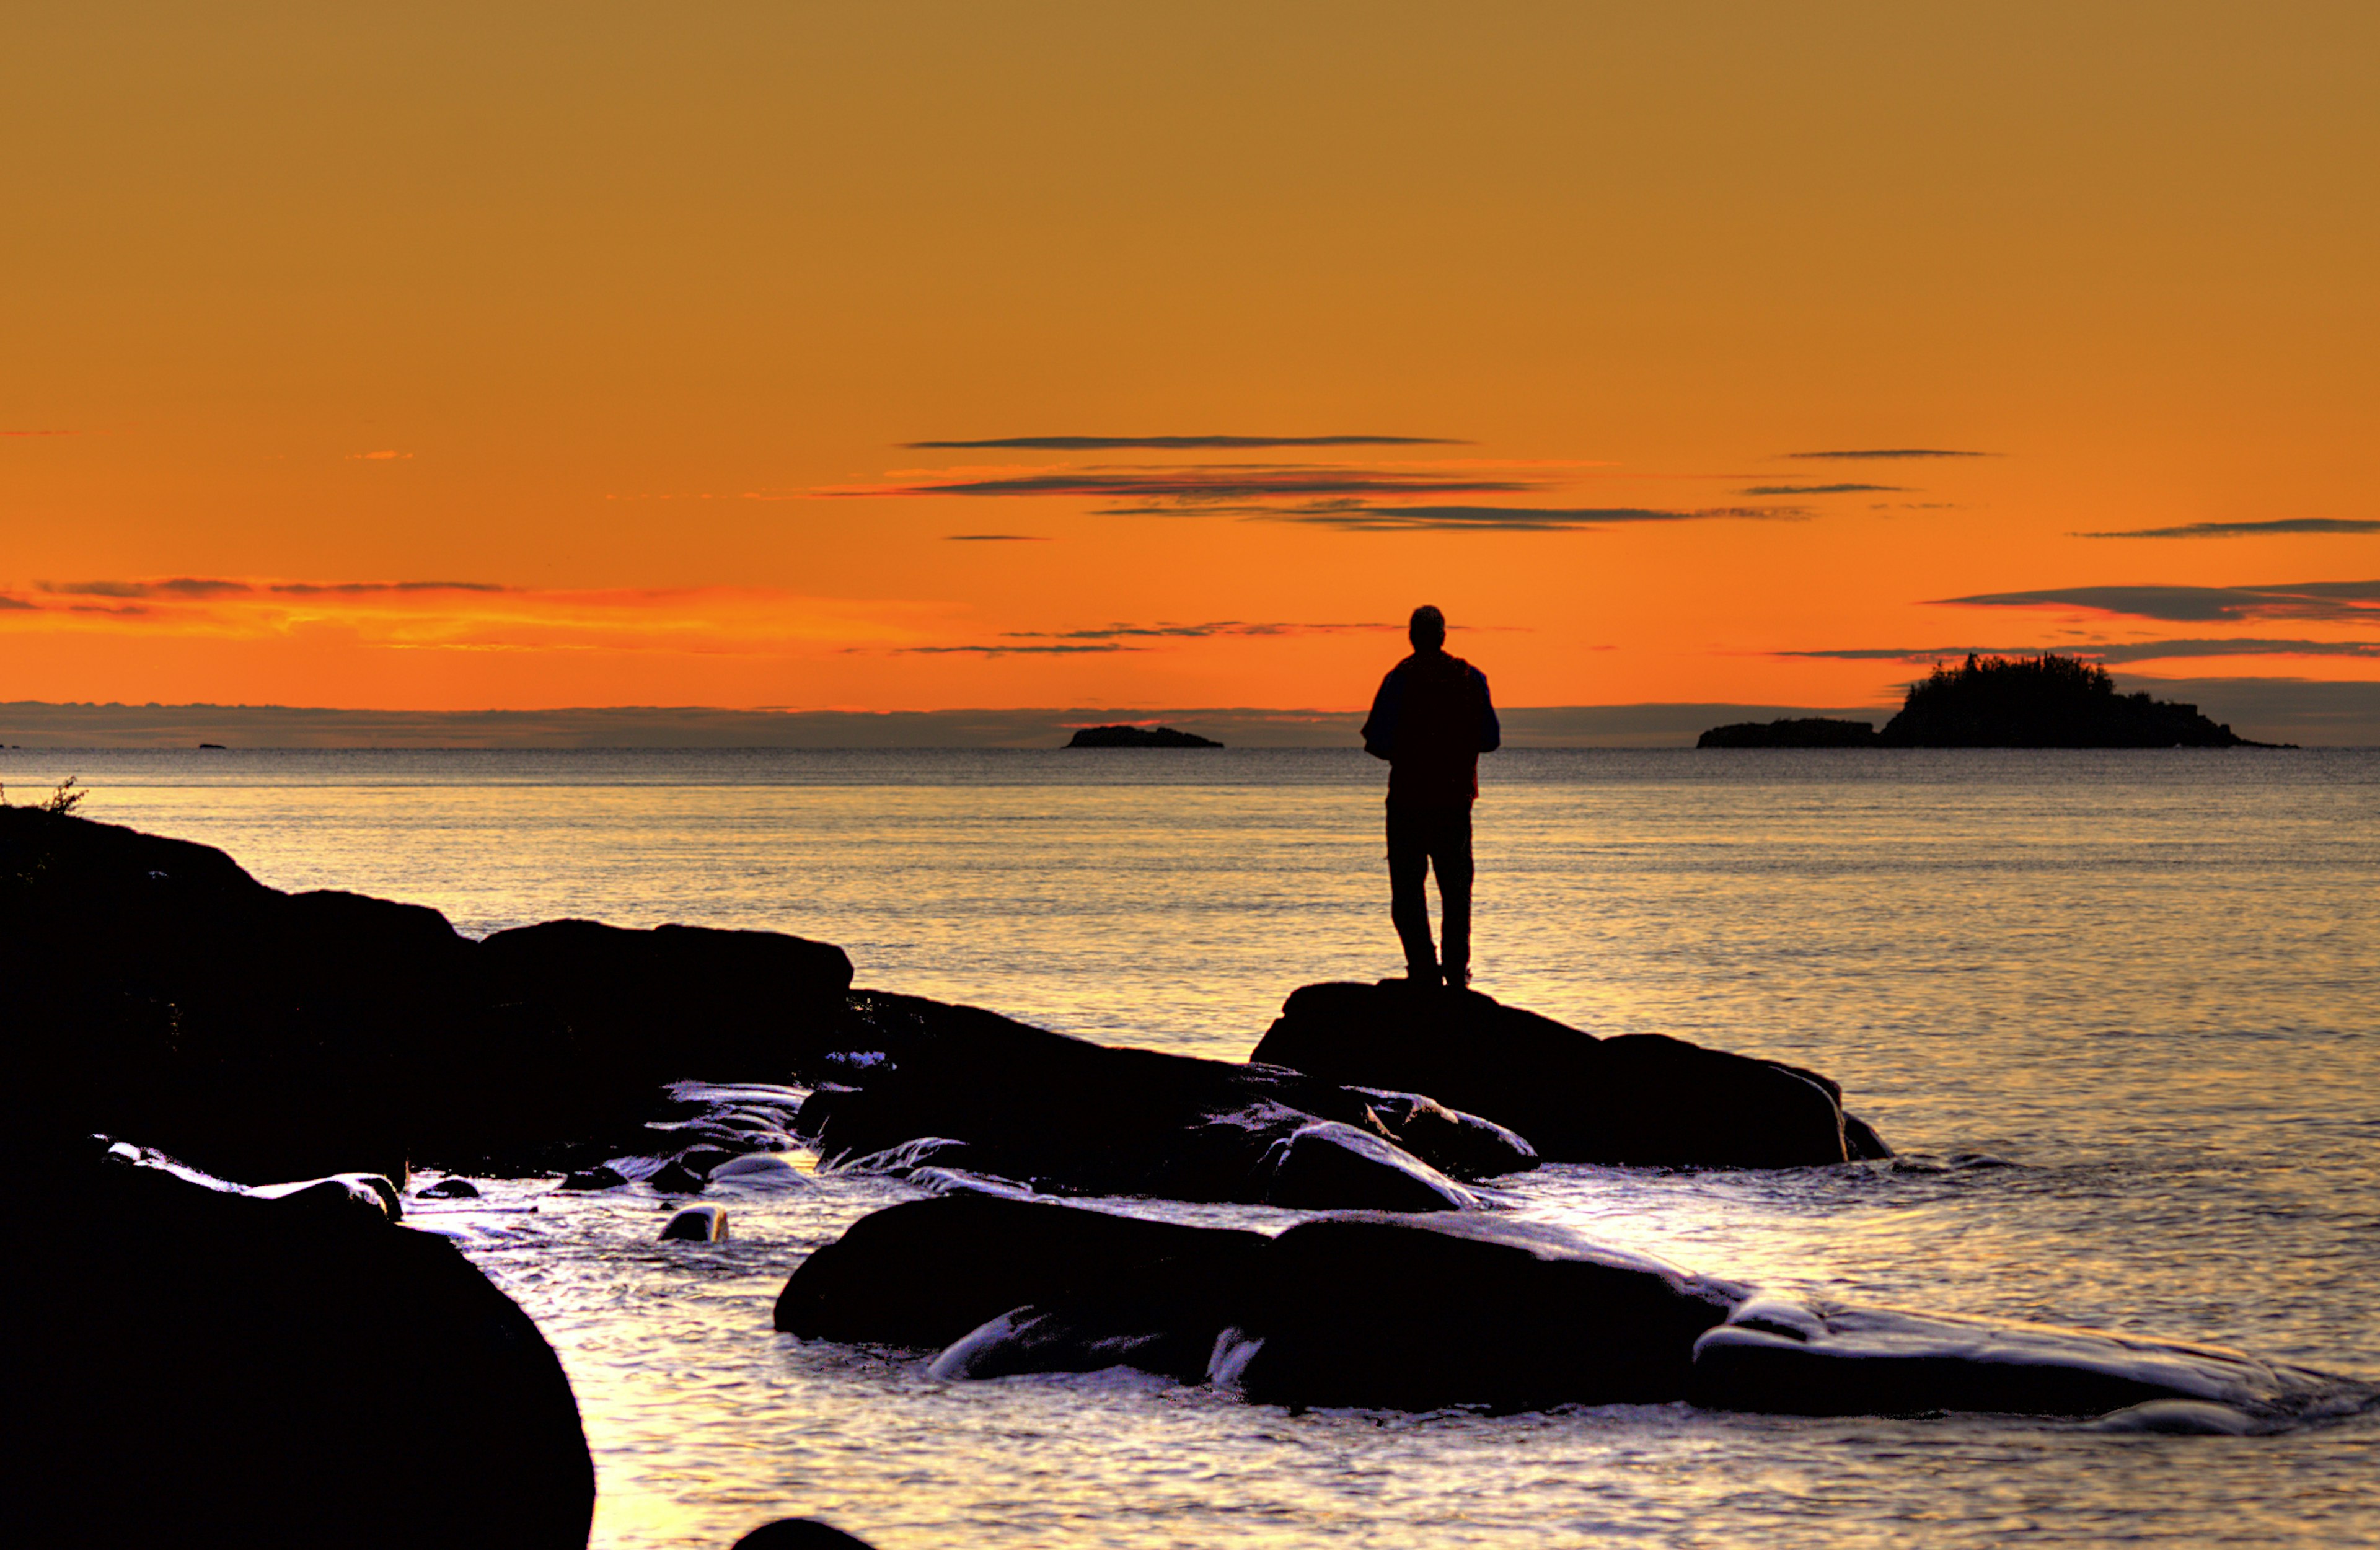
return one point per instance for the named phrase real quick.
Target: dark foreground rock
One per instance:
(1638, 1099)
(189, 1366)
(156, 989)
(799, 1533)
(1420, 1313)
(938, 1088)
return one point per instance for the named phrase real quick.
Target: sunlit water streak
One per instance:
(2149, 980)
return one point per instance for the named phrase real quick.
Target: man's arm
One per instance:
(1491, 732)
(1380, 726)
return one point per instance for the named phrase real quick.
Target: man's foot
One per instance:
(1458, 978)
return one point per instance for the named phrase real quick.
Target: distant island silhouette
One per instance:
(2047, 701)
(1138, 737)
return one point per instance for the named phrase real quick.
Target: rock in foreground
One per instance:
(156, 989)
(1419, 1313)
(191, 1366)
(1638, 1099)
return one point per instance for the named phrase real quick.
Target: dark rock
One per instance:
(697, 1224)
(927, 1273)
(1323, 1164)
(1424, 1312)
(451, 1189)
(689, 1171)
(1638, 1099)
(1787, 1356)
(1067, 1116)
(211, 1367)
(1137, 738)
(367, 1193)
(1421, 1313)
(1806, 732)
(799, 1533)
(604, 1178)
(156, 989)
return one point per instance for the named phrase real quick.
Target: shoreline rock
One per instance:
(208, 1366)
(1631, 1100)
(1385, 1311)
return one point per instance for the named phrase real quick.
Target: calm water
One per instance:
(2151, 979)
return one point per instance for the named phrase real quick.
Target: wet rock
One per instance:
(2185, 1418)
(689, 1171)
(1066, 1116)
(760, 1170)
(799, 1533)
(1637, 1099)
(1399, 1311)
(342, 1191)
(697, 1224)
(215, 1368)
(592, 1178)
(1799, 1358)
(1421, 1313)
(451, 1189)
(1323, 1164)
(927, 1273)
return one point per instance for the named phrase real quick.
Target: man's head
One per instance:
(1427, 631)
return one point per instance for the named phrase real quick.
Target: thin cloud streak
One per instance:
(2339, 601)
(1827, 489)
(195, 588)
(994, 538)
(1195, 486)
(1196, 632)
(2244, 529)
(1516, 519)
(1176, 443)
(1878, 454)
(1060, 648)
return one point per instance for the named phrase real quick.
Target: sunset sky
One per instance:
(909, 357)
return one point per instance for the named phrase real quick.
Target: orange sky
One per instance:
(617, 325)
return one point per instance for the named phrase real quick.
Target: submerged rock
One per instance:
(1637, 1099)
(1421, 1312)
(213, 1366)
(697, 1224)
(1803, 1358)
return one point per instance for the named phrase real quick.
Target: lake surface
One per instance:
(2151, 980)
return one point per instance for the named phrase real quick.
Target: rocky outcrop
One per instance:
(1420, 1313)
(156, 989)
(1635, 1099)
(1800, 732)
(2047, 701)
(191, 1366)
(933, 1088)
(1137, 738)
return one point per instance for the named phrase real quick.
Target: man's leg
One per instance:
(1408, 906)
(1450, 853)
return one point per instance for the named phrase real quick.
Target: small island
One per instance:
(1138, 737)
(2047, 701)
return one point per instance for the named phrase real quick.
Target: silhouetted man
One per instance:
(1432, 721)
